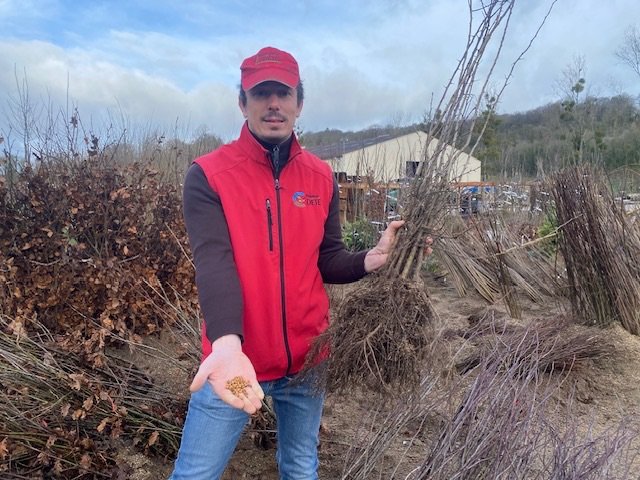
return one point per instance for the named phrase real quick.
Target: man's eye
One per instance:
(265, 93)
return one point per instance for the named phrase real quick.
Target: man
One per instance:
(262, 216)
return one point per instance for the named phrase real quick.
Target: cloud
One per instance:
(362, 63)
(96, 86)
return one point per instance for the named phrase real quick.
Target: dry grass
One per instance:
(60, 416)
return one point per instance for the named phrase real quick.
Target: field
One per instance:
(604, 393)
(530, 374)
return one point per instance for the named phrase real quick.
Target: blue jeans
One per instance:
(212, 430)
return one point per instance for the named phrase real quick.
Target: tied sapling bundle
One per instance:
(600, 249)
(381, 336)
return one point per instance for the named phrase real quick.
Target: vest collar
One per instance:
(256, 151)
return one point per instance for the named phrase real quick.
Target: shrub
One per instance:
(360, 235)
(549, 225)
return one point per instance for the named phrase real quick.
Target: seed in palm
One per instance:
(237, 385)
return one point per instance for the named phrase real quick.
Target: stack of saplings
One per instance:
(600, 247)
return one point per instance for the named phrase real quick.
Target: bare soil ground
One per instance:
(608, 393)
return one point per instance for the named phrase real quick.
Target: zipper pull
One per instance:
(269, 218)
(277, 184)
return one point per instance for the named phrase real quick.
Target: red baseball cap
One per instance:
(269, 64)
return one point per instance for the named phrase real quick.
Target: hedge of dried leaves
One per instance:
(84, 247)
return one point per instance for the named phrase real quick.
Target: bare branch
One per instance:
(629, 52)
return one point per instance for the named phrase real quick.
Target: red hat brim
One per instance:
(250, 80)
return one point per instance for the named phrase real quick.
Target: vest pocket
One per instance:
(269, 224)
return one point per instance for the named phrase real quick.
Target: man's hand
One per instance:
(378, 255)
(227, 361)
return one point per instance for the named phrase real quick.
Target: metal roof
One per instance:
(335, 150)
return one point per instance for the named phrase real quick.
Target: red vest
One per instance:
(275, 228)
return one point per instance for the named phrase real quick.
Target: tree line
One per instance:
(604, 131)
(599, 131)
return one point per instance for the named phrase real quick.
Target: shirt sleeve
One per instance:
(217, 280)
(336, 263)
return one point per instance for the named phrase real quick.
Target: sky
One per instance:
(170, 64)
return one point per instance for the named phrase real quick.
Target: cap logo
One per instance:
(268, 57)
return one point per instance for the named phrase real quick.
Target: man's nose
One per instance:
(273, 101)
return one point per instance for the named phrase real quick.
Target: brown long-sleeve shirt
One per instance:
(219, 289)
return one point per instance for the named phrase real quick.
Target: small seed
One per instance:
(237, 385)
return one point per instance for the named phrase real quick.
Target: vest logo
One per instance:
(300, 199)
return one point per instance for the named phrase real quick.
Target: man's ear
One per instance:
(243, 107)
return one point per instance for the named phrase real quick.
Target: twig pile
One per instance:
(492, 260)
(385, 424)
(511, 415)
(554, 345)
(503, 426)
(459, 260)
(493, 242)
(600, 249)
(58, 416)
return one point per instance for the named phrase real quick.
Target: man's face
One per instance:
(271, 111)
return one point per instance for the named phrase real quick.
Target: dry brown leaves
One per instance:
(82, 246)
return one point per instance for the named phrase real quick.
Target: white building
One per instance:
(387, 159)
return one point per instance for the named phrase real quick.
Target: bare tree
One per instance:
(629, 52)
(578, 113)
(572, 81)
(22, 114)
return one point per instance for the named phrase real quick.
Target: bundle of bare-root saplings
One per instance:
(381, 336)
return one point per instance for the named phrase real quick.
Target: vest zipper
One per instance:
(269, 225)
(282, 282)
